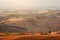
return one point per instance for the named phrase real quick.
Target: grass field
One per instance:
(31, 37)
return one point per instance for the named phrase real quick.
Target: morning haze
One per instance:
(29, 19)
(29, 4)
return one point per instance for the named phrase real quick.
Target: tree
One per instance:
(49, 32)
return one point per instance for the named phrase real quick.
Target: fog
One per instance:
(29, 4)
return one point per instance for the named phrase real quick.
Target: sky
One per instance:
(29, 4)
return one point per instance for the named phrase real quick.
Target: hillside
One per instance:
(31, 25)
(43, 22)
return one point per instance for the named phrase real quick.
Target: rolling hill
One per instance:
(31, 23)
